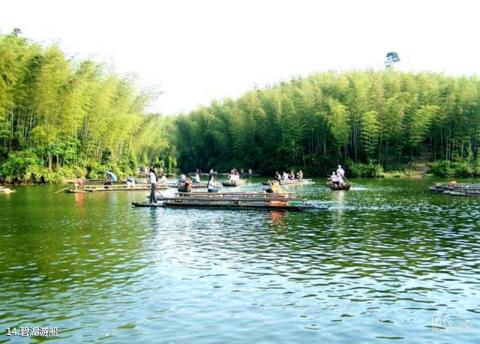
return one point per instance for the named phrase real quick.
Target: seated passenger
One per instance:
(182, 181)
(334, 179)
(210, 186)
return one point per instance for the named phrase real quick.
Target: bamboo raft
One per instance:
(291, 182)
(248, 200)
(339, 187)
(194, 185)
(456, 189)
(114, 187)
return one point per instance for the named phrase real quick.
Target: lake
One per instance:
(386, 262)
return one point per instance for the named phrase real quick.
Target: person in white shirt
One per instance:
(152, 179)
(340, 171)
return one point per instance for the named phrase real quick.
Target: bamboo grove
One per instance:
(62, 117)
(365, 119)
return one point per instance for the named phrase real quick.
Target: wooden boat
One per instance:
(249, 200)
(338, 187)
(233, 183)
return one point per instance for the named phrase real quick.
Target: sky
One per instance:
(196, 51)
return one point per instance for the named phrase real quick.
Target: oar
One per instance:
(61, 190)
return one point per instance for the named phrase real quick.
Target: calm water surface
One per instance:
(385, 262)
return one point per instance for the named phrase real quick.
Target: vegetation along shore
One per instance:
(63, 118)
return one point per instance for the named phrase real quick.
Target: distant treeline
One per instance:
(367, 120)
(61, 117)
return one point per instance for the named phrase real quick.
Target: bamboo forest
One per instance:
(63, 117)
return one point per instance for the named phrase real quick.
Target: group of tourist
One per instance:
(185, 184)
(338, 177)
(289, 176)
(234, 175)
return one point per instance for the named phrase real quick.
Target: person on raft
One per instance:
(275, 187)
(152, 179)
(210, 185)
(300, 175)
(196, 179)
(334, 179)
(340, 172)
(184, 184)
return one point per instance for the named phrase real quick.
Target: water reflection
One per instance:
(338, 198)
(277, 221)
(79, 199)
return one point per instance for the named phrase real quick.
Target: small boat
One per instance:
(233, 183)
(338, 187)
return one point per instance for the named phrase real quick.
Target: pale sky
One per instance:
(196, 51)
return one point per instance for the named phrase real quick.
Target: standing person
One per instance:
(340, 171)
(78, 183)
(152, 179)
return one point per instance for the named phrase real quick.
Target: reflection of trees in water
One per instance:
(73, 240)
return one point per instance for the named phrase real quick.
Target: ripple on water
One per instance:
(377, 266)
